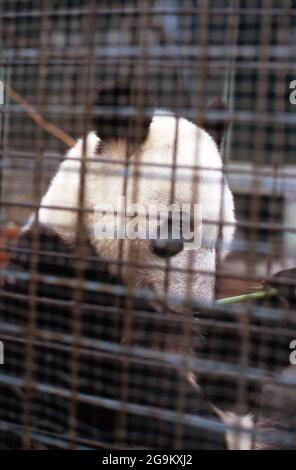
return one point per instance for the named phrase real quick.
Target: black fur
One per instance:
(124, 109)
(269, 326)
(102, 316)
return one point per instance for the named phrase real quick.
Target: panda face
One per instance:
(175, 150)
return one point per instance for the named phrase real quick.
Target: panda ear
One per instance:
(215, 126)
(124, 109)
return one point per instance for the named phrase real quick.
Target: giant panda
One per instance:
(42, 298)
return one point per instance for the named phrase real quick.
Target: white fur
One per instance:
(240, 438)
(168, 135)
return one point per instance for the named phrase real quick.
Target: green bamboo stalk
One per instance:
(259, 295)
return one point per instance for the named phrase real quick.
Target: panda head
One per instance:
(149, 159)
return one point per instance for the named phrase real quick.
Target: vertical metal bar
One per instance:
(231, 44)
(2, 119)
(203, 14)
(140, 73)
(86, 93)
(4, 122)
(45, 27)
(261, 106)
(278, 142)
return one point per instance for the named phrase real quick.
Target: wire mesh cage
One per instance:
(120, 341)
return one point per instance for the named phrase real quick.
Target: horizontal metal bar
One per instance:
(15, 60)
(175, 51)
(127, 10)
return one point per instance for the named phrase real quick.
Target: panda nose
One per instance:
(169, 245)
(167, 248)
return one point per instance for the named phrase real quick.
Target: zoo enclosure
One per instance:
(54, 53)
